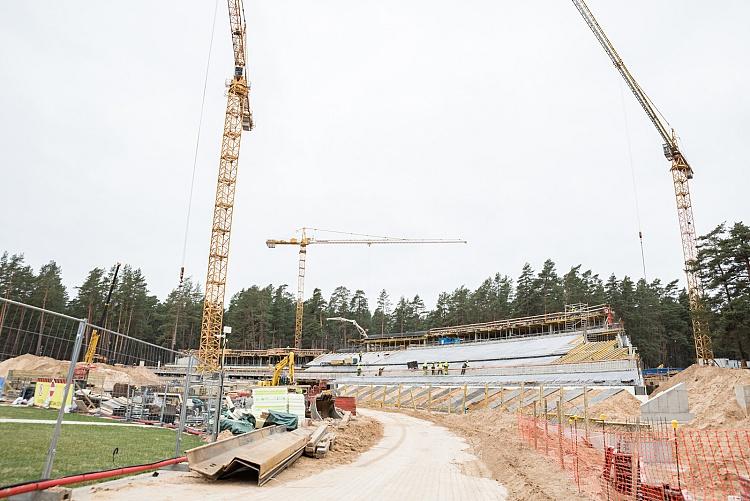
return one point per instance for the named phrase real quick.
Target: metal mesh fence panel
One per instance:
(71, 418)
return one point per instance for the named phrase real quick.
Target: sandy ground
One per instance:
(414, 460)
(362, 433)
(493, 437)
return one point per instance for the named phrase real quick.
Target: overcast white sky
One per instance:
(498, 122)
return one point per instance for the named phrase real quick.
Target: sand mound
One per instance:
(361, 433)
(29, 362)
(711, 395)
(620, 407)
(105, 375)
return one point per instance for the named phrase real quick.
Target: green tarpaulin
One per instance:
(283, 418)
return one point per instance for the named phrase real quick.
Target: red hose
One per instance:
(74, 479)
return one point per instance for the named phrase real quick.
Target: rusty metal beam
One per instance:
(265, 451)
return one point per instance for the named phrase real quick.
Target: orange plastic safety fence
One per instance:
(654, 463)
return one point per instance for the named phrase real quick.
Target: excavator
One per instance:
(286, 362)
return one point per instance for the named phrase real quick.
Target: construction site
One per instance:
(556, 405)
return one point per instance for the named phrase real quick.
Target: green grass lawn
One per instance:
(81, 448)
(7, 411)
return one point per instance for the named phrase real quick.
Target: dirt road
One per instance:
(415, 460)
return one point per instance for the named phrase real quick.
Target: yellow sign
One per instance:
(52, 393)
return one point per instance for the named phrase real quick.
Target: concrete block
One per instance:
(669, 405)
(742, 393)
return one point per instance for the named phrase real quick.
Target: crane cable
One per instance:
(197, 144)
(632, 177)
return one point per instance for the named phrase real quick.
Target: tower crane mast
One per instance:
(681, 174)
(305, 240)
(237, 118)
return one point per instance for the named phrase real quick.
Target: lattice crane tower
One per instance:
(681, 173)
(238, 117)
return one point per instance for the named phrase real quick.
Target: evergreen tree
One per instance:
(527, 297)
(90, 297)
(381, 318)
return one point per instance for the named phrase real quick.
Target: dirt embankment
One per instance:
(359, 436)
(621, 407)
(493, 438)
(105, 375)
(711, 396)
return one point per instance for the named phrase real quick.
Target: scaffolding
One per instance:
(595, 322)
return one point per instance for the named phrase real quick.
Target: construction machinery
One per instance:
(360, 329)
(306, 240)
(681, 174)
(90, 355)
(237, 118)
(286, 362)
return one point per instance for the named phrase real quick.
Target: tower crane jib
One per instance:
(681, 174)
(306, 240)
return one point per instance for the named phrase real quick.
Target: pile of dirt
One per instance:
(711, 396)
(105, 375)
(494, 438)
(621, 407)
(48, 366)
(360, 435)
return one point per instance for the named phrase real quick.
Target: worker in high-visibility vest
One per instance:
(359, 368)
(445, 368)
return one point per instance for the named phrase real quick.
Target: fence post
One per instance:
(559, 431)
(536, 426)
(50, 461)
(634, 470)
(464, 406)
(486, 396)
(586, 411)
(398, 404)
(546, 429)
(502, 397)
(382, 403)
(520, 397)
(429, 398)
(411, 395)
(183, 407)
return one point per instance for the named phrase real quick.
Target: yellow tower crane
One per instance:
(237, 118)
(306, 240)
(681, 173)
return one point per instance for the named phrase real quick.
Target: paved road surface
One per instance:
(415, 460)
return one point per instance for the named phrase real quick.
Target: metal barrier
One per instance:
(645, 462)
(147, 414)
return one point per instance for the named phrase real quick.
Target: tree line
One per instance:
(655, 313)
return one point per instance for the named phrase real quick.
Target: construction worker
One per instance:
(445, 368)
(424, 368)
(433, 368)
(380, 371)
(463, 367)
(359, 367)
